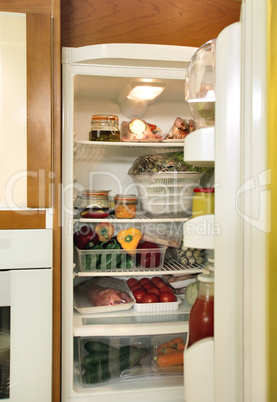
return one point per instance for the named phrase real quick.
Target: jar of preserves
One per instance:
(104, 127)
(93, 203)
(201, 320)
(203, 201)
(125, 206)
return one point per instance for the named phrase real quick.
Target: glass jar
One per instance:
(203, 201)
(125, 206)
(201, 320)
(93, 203)
(104, 127)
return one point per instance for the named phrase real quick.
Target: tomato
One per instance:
(142, 281)
(135, 287)
(153, 290)
(148, 285)
(166, 289)
(131, 282)
(166, 297)
(156, 279)
(150, 298)
(160, 284)
(138, 294)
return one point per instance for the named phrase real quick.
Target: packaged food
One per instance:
(203, 201)
(180, 129)
(125, 206)
(104, 127)
(138, 130)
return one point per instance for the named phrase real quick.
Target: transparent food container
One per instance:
(102, 360)
(125, 206)
(200, 85)
(93, 203)
(104, 127)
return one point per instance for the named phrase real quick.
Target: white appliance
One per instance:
(93, 78)
(26, 315)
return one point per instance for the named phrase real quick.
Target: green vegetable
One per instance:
(93, 346)
(191, 292)
(92, 260)
(112, 260)
(126, 262)
(127, 357)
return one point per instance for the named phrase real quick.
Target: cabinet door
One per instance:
(25, 112)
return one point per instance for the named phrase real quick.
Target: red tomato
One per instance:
(166, 297)
(156, 279)
(153, 290)
(138, 294)
(166, 289)
(150, 298)
(131, 282)
(138, 286)
(147, 285)
(160, 284)
(142, 281)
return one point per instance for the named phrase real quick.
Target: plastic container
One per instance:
(89, 261)
(104, 127)
(93, 203)
(157, 307)
(166, 194)
(201, 320)
(102, 360)
(125, 206)
(200, 85)
(203, 201)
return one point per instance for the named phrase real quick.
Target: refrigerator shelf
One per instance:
(171, 265)
(125, 323)
(140, 218)
(102, 144)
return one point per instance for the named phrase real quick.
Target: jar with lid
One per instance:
(201, 320)
(93, 203)
(125, 206)
(203, 201)
(104, 127)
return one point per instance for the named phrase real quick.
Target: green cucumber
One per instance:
(93, 346)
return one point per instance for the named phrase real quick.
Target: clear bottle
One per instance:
(201, 320)
(104, 127)
(203, 201)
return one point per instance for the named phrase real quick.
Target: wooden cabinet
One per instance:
(167, 22)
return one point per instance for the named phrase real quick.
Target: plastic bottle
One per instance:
(201, 321)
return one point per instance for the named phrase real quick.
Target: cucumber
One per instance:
(97, 374)
(93, 346)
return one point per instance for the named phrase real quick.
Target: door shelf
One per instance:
(125, 322)
(199, 147)
(199, 232)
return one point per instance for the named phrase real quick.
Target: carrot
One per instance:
(164, 351)
(171, 359)
(170, 343)
(181, 346)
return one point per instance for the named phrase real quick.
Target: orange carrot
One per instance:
(170, 343)
(181, 346)
(171, 359)
(166, 350)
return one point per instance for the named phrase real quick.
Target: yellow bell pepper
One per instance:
(129, 239)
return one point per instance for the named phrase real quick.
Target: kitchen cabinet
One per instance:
(38, 207)
(167, 22)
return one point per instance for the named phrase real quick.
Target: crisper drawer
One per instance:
(100, 361)
(26, 248)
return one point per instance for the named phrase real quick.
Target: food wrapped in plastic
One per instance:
(140, 131)
(180, 129)
(102, 294)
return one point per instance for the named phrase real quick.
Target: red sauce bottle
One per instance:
(201, 320)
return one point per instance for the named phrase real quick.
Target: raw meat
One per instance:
(107, 297)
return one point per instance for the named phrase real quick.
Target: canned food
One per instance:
(104, 127)
(125, 206)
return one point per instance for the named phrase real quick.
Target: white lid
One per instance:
(207, 276)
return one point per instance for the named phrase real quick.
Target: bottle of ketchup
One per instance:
(201, 320)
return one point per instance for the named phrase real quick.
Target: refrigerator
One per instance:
(95, 81)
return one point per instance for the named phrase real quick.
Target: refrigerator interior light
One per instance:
(145, 92)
